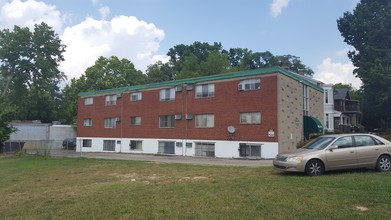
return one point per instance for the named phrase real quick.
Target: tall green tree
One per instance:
(29, 62)
(106, 73)
(160, 72)
(368, 30)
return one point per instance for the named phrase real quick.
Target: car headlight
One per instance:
(294, 159)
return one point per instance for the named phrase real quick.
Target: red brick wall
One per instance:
(226, 106)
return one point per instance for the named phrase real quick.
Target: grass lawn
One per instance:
(80, 188)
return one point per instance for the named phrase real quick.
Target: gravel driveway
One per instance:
(164, 158)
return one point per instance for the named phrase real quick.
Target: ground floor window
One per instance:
(205, 149)
(109, 145)
(166, 147)
(249, 150)
(136, 145)
(87, 142)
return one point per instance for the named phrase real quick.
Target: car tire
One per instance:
(383, 163)
(314, 168)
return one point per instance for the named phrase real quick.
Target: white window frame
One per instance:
(109, 145)
(87, 122)
(167, 94)
(250, 118)
(110, 122)
(135, 145)
(135, 120)
(136, 96)
(249, 84)
(87, 143)
(111, 100)
(88, 101)
(205, 90)
(167, 121)
(204, 121)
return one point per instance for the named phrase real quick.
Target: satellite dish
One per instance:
(231, 129)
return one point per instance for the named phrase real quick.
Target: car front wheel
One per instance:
(383, 163)
(314, 168)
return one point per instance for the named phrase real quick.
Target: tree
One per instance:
(368, 30)
(106, 73)
(160, 72)
(29, 69)
(6, 115)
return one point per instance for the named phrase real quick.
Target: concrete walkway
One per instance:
(164, 158)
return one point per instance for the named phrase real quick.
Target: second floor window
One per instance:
(205, 121)
(87, 122)
(167, 94)
(250, 84)
(204, 91)
(136, 96)
(250, 118)
(111, 100)
(135, 120)
(110, 122)
(167, 121)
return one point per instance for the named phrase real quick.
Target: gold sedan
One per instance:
(339, 151)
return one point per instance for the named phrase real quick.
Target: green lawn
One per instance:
(79, 188)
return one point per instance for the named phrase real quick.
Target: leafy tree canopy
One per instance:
(368, 30)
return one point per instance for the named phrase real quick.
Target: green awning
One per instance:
(312, 125)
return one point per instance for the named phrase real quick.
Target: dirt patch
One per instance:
(362, 208)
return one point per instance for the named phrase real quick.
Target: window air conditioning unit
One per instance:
(178, 117)
(189, 116)
(119, 95)
(240, 87)
(117, 119)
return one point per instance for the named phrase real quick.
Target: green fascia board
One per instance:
(204, 79)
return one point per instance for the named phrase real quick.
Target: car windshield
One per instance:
(319, 143)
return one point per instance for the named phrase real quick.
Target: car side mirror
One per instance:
(332, 147)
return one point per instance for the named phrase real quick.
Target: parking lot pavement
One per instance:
(165, 158)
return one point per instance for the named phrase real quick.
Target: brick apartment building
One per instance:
(255, 113)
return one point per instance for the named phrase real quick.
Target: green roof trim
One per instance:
(205, 79)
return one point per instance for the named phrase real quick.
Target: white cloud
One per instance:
(104, 12)
(333, 72)
(277, 6)
(123, 36)
(29, 13)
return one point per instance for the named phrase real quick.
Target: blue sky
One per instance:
(143, 30)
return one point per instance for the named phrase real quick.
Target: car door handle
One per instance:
(352, 152)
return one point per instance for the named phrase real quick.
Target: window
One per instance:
(326, 96)
(109, 145)
(136, 120)
(166, 147)
(204, 91)
(250, 84)
(204, 121)
(306, 99)
(110, 122)
(111, 100)
(363, 140)
(327, 121)
(250, 118)
(87, 122)
(136, 96)
(167, 121)
(249, 150)
(89, 101)
(167, 94)
(87, 142)
(136, 145)
(344, 142)
(205, 149)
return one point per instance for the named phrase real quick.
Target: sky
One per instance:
(143, 31)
